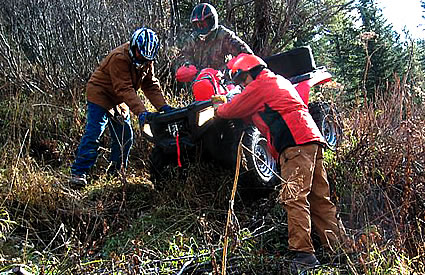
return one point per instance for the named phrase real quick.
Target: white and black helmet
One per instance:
(204, 19)
(146, 42)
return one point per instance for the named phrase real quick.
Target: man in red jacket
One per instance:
(277, 110)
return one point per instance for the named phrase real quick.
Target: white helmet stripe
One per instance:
(149, 44)
(146, 41)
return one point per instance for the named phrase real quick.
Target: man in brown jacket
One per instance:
(111, 94)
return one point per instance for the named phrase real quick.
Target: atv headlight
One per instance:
(147, 130)
(205, 115)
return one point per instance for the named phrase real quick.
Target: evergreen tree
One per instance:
(417, 71)
(363, 49)
(385, 53)
(339, 49)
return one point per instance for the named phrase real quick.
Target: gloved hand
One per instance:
(166, 108)
(217, 100)
(233, 91)
(142, 118)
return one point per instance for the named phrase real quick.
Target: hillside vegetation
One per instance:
(125, 224)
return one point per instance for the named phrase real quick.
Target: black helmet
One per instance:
(204, 19)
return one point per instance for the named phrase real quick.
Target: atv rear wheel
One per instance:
(259, 173)
(326, 119)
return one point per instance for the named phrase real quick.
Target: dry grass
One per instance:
(380, 174)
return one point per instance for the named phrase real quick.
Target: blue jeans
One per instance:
(121, 140)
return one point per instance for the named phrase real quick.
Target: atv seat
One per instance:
(295, 65)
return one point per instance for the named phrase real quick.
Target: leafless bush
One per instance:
(52, 45)
(382, 170)
(48, 49)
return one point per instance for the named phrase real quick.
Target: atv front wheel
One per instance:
(326, 119)
(260, 165)
(159, 162)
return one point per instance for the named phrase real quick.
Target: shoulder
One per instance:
(234, 40)
(265, 79)
(267, 74)
(121, 53)
(222, 31)
(275, 81)
(118, 60)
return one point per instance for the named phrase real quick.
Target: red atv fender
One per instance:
(317, 77)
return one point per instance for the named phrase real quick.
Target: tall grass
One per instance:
(124, 225)
(380, 175)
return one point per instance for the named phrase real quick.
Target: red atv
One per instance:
(180, 134)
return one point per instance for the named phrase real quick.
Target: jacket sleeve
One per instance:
(243, 105)
(152, 89)
(188, 50)
(122, 84)
(234, 45)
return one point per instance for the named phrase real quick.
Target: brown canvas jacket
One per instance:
(217, 49)
(117, 80)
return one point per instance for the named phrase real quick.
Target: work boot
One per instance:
(302, 262)
(78, 181)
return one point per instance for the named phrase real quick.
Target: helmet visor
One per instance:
(239, 76)
(202, 26)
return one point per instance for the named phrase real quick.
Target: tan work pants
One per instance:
(305, 196)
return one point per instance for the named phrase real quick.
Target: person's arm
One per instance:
(242, 105)
(188, 51)
(123, 86)
(152, 89)
(234, 45)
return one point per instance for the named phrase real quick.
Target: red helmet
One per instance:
(242, 64)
